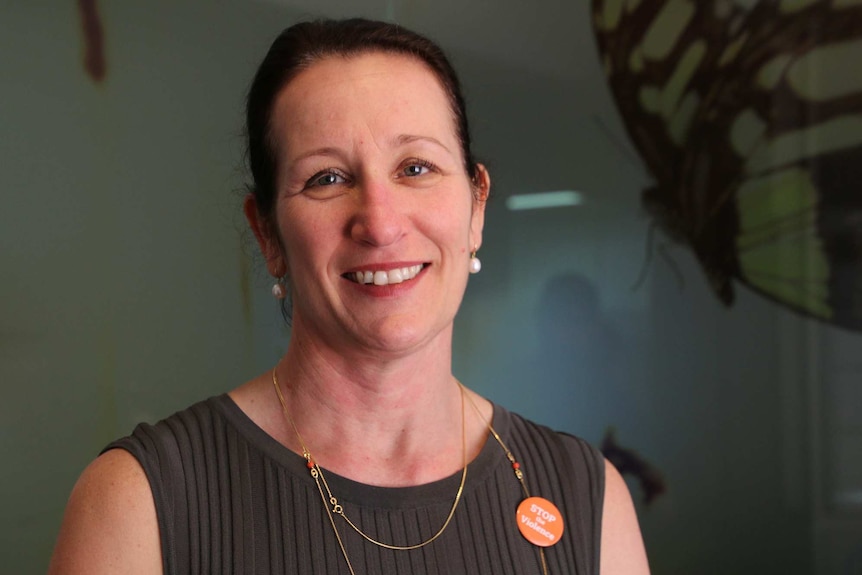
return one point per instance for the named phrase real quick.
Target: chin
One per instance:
(400, 337)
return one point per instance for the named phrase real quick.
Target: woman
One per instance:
(360, 452)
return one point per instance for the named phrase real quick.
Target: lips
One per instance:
(385, 277)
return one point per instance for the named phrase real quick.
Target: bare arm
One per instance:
(110, 522)
(622, 551)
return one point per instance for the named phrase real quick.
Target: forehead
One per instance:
(377, 91)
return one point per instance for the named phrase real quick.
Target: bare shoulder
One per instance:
(110, 522)
(622, 550)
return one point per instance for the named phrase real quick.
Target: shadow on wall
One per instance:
(575, 353)
(578, 353)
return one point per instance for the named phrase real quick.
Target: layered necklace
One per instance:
(333, 507)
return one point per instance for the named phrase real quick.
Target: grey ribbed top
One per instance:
(231, 499)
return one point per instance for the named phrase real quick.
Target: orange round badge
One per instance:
(540, 522)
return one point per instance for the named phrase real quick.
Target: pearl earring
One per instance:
(278, 289)
(475, 263)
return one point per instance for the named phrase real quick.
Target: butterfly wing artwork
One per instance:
(748, 116)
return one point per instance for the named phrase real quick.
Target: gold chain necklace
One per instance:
(516, 467)
(334, 507)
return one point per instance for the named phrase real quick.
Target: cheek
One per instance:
(305, 239)
(451, 233)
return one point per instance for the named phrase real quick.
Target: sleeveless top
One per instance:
(230, 499)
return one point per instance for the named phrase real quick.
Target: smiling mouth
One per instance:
(384, 278)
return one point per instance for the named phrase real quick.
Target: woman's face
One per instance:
(376, 213)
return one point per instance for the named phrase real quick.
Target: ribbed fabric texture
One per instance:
(230, 499)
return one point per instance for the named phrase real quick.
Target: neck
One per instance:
(393, 421)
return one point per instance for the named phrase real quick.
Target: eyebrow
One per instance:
(409, 138)
(325, 151)
(398, 141)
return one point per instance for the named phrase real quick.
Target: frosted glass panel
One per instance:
(842, 390)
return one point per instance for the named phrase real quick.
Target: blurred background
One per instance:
(131, 288)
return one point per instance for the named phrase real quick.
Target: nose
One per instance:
(379, 219)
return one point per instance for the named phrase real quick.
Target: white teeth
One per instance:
(382, 278)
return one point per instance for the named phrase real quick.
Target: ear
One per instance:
(267, 240)
(481, 188)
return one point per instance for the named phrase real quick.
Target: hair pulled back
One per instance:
(299, 47)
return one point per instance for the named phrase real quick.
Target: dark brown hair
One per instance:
(303, 44)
